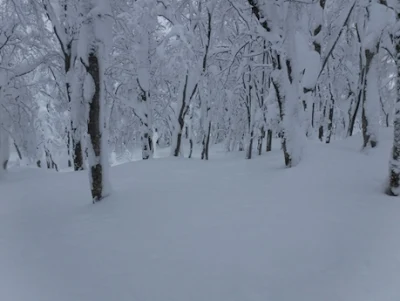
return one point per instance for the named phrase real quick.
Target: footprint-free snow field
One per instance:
(225, 230)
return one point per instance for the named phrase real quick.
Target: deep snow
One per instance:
(225, 230)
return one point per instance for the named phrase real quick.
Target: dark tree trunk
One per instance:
(18, 151)
(5, 163)
(147, 146)
(394, 172)
(260, 141)
(208, 140)
(312, 115)
(203, 150)
(181, 117)
(288, 158)
(49, 160)
(69, 146)
(269, 140)
(249, 150)
(330, 125)
(78, 157)
(191, 147)
(177, 150)
(354, 115)
(206, 143)
(331, 111)
(321, 126)
(94, 130)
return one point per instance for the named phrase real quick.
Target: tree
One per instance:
(94, 37)
(65, 27)
(393, 187)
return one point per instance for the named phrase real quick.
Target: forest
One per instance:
(235, 150)
(85, 81)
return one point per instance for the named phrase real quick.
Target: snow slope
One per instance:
(225, 230)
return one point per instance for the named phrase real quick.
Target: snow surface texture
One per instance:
(226, 229)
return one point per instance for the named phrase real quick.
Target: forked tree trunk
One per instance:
(179, 126)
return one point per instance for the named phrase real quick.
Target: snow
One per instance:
(226, 229)
(380, 17)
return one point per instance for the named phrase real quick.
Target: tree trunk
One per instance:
(249, 150)
(206, 142)
(331, 111)
(269, 140)
(179, 126)
(260, 141)
(147, 145)
(69, 146)
(95, 131)
(313, 115)
(49, 160)
(321, 126)
(4, 149)
(78, 156)
(288, 158)
(177, 149)
(191, 147)
(394, 172)
(18, 151)
(354, 115)
(368, 137)
(72, 131)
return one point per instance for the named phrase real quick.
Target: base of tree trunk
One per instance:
(78, 158)
(394, 184)
(177, 150)
(191, 148)
(287, 156)
(4, 165)
(249, 151)
(269, 140)
(97, 183)
(321, 133)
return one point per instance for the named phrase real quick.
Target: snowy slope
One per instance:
(223, 230)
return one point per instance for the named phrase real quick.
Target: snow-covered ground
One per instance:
(225, 230)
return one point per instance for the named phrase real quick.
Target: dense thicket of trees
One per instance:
(83, 79)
